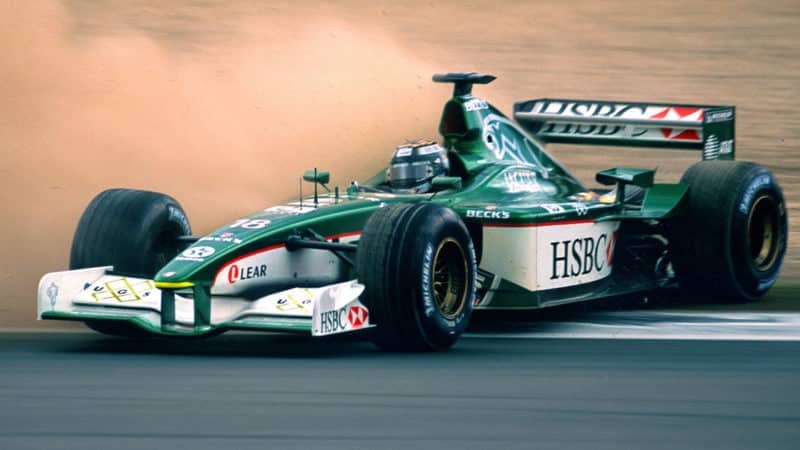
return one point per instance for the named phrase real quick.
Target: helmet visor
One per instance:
(410, 174)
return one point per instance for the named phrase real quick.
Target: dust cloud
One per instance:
(224, 117)
(223, 103)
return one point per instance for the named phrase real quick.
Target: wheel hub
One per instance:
(763, 229)
(450, 278)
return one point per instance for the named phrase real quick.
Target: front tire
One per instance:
(418, 266)
(730, 244)
(134, 231)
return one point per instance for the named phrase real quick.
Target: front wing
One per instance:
(96, 295)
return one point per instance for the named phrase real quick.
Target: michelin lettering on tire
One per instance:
(758, 183)
(426, 285)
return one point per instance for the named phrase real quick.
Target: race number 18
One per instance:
(250, 224)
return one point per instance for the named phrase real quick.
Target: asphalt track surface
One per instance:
(500, 387)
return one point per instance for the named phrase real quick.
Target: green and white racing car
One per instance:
(486, 220)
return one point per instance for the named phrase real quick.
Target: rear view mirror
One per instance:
(314, 176)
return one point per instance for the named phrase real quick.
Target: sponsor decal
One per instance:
(250, 224)
(680, 134)
(580, 208)
(427, 286)
(584, 130)
(521, 181)
(719, 116)
(617, 110)
(680, 114)
(580, 256)
(351, 317)
(357, 316)
(123, 290)
(169, 274)
(672, 134)
(711, 147)
(552, 208)
(226, 237)
(489, 213)
(289, 209)
(290, 303)
(588, 109)
(237, 273)
(757, 184)
(576, 253)
(507, 142)
(52, 294)
(690, 115)
(429, 149)
(475, 105)
(726, 147)
(197, 254)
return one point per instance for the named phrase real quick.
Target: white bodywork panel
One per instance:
(58, 289)
(93, 289)
(575, 254)
(550, 255)
(510, 253)
(281, 266)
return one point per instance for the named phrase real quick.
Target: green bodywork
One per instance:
(481, 187)
(501, 177)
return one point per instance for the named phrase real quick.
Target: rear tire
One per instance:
(134, 231)
(730, 243)
(418, 266)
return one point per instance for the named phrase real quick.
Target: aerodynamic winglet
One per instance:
(463, 81)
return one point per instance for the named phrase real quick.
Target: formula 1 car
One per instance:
(488, 220)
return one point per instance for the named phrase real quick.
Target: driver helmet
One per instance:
(414, 164)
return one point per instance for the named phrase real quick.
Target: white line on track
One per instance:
(658, 325)
(738, 326)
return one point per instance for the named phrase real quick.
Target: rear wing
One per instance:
(709, 129)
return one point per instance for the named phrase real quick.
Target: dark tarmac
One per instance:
(78, 390)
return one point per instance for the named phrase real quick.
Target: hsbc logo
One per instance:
(692, 116)
(581, 256)
(574, 253)
(588, 109)
(343, 319)
(237, 273)
(357, 316)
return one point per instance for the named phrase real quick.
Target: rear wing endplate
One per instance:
(709, 129)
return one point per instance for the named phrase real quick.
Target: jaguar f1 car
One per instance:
(486, 220)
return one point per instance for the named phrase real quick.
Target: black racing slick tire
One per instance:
(730, 243)
(134, 231)
(418, 266)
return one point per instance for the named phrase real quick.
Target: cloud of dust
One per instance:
(225, 127)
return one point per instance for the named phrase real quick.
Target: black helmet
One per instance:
(414, 164)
